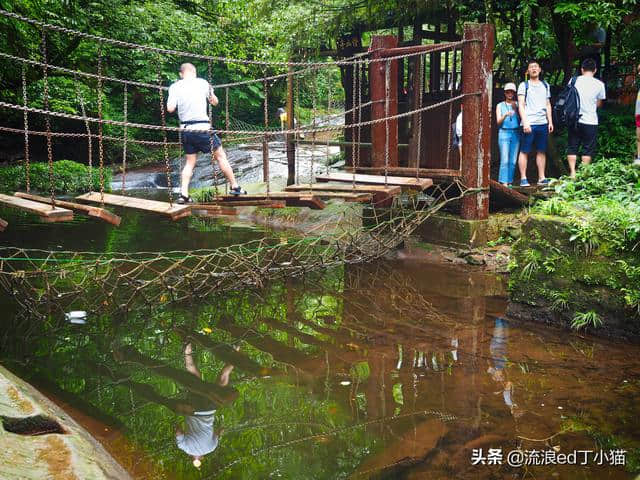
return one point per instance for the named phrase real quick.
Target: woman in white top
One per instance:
(508, 134)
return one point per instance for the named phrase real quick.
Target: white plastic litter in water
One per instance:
(345, 382)
(76, 316)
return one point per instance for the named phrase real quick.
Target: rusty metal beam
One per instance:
(477, 64)
(379, 89)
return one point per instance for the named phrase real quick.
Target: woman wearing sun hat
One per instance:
(509, 134)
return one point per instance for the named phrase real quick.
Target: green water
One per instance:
(398, 369)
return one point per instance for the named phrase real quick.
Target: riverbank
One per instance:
(39, 440)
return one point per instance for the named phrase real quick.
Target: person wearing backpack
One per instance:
(509, 134)
(584, 133)
(534, 106)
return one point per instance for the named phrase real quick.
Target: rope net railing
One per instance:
(45, 281)
(49, 282)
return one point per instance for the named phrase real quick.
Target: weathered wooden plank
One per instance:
(406, 182)
(45, 211)
(3, 224)
(240, 203)
(501, 193)
(346, 196)
(410, 172)
(175, 212)
(341, 187)
(292, 199)
(97, 212)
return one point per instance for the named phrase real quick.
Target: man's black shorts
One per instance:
(194, 142)
(585, 135)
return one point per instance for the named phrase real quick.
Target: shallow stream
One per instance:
(398, 369)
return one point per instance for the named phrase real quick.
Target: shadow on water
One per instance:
(392, 370)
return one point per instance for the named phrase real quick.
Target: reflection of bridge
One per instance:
(321, 339)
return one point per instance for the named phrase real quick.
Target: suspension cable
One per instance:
(165, 146)
(124, 143)
(100, 126)
(27, 167)
(47, 118)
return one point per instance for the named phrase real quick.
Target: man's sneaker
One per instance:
(636, 162)
(544, 181)
(183, 200)
(524, 183)
(237, 191)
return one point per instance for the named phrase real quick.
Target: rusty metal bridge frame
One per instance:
(41, 279)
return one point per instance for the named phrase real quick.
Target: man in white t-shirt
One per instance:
(190, 95)
(199, 437)
(591, 92)
(534, 107)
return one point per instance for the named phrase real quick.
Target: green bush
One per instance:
(68, 178)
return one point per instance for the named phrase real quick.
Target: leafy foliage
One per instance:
(68, 177)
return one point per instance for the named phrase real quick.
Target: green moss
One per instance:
(548, 271)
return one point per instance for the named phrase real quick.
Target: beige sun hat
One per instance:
(510, 86)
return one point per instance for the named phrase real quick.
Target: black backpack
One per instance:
(566, 111)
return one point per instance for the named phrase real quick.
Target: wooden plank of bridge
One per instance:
(292, 199)
(174, 212)
(405, 182)
(213, 206)
(439, 173)
(3, 224)
(346, 196)
(97, 212)
(341, 187)
(46, 213)
(380, 195)
(503, 194)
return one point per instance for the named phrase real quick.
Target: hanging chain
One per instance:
(216, 193)
(47, 118)
(124, 145)
(100, 126)
(420, 61)
(314, 112)
(165, 147)
(295, 128)
(88, 127)
(265, 141)
(328, 117)
(27, 166)
(227, 125)
(354, 74)
(387, 88)
(361, 71)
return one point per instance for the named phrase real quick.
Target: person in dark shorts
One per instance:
(592, 93)
(190, 95)
(534, 106)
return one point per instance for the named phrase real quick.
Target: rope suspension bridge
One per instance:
(399, 198)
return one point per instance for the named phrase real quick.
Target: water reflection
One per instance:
(374, 371)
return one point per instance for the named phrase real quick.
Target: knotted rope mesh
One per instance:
(46, 282)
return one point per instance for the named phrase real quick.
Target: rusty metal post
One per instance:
(290, 139)
(477, 65)
(378, 90)
(416, 103)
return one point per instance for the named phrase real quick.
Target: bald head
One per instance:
(187, 70)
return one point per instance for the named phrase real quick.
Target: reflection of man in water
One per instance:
(198, 437)
(498, 349)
